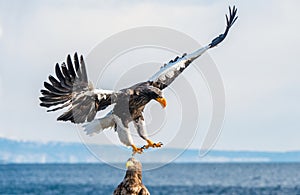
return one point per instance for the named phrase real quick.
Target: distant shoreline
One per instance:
(22, 152)
(164, 164)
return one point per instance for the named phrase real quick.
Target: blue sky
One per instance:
(259, 62)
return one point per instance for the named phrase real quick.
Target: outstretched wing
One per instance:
(169, 72)
(229, 21)
(71, 89)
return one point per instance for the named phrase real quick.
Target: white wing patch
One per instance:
(169, 72)
(98, 125)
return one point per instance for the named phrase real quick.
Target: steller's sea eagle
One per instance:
(132, 182)
(72, 89)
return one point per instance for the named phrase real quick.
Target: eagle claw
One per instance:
(137, 150)
(153, 145)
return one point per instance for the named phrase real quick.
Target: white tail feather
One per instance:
(92, 127)
(98, 125)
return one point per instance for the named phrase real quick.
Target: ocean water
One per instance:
(239, 178)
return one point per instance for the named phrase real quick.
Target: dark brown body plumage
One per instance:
(132, 182)
(130, 103)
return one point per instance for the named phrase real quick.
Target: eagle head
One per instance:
(156, 94)
(133, 165)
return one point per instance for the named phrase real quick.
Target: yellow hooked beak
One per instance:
(128, 164)
(162, 101)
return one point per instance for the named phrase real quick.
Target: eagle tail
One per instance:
(98, 125)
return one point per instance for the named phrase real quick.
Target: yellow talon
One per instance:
(136, 150)
(152, 144)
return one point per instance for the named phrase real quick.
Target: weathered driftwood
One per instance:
(132, 182)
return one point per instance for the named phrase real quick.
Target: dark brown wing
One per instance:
(71, 89)
(143, 191)
(129, 187)
(229, 22)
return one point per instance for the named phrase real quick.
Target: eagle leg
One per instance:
(152, 144)
(136, 150)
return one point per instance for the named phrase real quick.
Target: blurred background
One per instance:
(259, 63)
